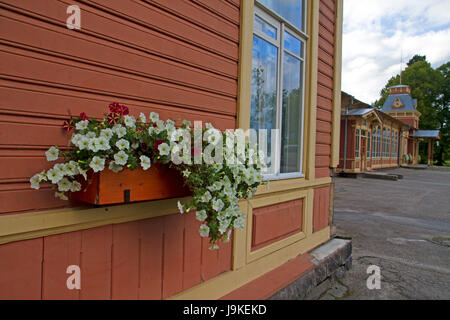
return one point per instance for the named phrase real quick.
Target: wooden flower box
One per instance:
(107, 187)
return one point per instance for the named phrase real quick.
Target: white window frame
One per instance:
(282, 25)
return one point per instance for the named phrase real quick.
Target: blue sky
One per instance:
(376, 32)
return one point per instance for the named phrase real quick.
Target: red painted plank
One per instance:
(96, 263)
(224, 260)
(268, 284)
(322, 172)
(321, 205)
(97, 24)
(210, 259)
(30, 33)
(125, 261)
(21, 270)
(151, 255)
(192, 251)
(173, 255)
(76, 76)
(60, 252)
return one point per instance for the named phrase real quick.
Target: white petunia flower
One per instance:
(204, 230)
(180, 207)
(201, 215)
(164, 149)
(82, 125)
(106, 133)
(170, 130)
(71, 168)
(121, 158)
(54, 176)
(130, 121)
(218, 204)
(92, 145)
(102, 143)
(76, 186)
(170, 122)
(97, 164)
(119, 130)
(114, 167)
(52, 154)
(154, 116)
(84, 143)
(187, 123)
(151, 130)
(208, 125)
(142, 118)
(76, 139)
(145, 162)
(123, 144)
(60, 168)
(206, 197)
(64, 185)
(91, 135)
(35, 180)
(223, 226)
(186, 173)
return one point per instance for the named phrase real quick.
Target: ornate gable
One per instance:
(397, 104)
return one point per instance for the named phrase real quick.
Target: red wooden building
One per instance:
(189, 59)
(389, 137)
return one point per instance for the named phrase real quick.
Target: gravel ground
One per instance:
(401, 226)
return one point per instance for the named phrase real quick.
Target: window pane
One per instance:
(292, 44)
(291, 10)
(264, 27)
(291, 115)
(264, 90)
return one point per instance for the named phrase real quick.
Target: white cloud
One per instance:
(375, 33)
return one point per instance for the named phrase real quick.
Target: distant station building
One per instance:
(386, 138)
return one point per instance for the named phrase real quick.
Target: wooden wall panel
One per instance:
(275, 222)
(21, 270)
(321, 207)
(325, 87)
(178, 58)
(125, 261)
(60, 252)
(151, 258)
(96, 261)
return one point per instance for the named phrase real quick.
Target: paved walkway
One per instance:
(401, 226)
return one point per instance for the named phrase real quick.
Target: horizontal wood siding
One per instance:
(325, 87)
(148, 259)
(175, 57)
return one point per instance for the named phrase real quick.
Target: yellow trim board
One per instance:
(22, 226)
(225, 283)
(337, 85)
(245, 64)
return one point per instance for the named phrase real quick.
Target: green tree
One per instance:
(415, 59)
(443, 115)
(431, 89)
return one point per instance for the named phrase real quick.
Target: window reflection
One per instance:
(291, 10)
(291, 115)
(292, 44)
(264, 89)
(266, 28)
